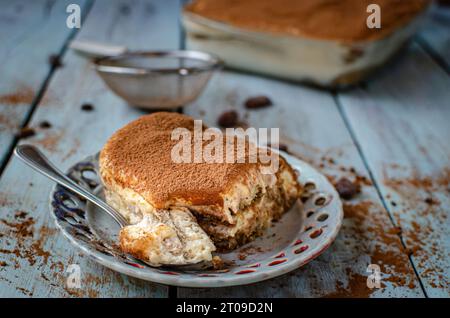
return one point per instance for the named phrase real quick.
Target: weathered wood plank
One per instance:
(436, 34)
(311, 125)
(401, 122)
(30, 31)
(35, 263)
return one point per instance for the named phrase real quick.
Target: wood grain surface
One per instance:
(401, 124)
(311, 126)
(30, 32)
(390, 135)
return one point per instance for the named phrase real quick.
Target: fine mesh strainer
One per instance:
(152, 79)
(159, 79)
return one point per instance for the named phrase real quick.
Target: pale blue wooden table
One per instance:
(393, 130)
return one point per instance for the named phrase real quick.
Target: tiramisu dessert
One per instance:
(181, 212)
(327, 42)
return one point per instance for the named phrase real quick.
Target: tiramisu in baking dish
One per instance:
(327, 42)
(181, 212)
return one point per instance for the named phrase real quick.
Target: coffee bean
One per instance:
(45, 124)
(347, 189)
(228, 119)
(87, 107)
(25, 133)
(283, 147)
(258, 102)
(55, 61)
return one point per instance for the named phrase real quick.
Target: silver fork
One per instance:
(37, 160)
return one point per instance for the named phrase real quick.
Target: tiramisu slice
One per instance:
(232, 202)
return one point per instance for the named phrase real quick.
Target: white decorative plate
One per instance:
(301, 235)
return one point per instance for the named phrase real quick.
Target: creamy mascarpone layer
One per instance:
(159, 237)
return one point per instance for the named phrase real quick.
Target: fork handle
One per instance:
(37, 160)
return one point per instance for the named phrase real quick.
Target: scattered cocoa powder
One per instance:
(329, 163)
(249, 250)
(367, 224)
(23, 95)
(26, 247)
(44, 277)
(22, 229)
(356, 288)
(25, 291)
(218, 263)
(396, 230)
(7, 122)
(20, 214)
(50, 140)
(73, 149)
(423, 217)
(362, 180)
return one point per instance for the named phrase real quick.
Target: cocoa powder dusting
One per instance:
(7, 123)
(20, 214)
(368, 231)
(24, 95)
(27, 246)
(249, 250)
(423, 218)
(50, 141)
(357, 287)
(4, 199)
(140, 153)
